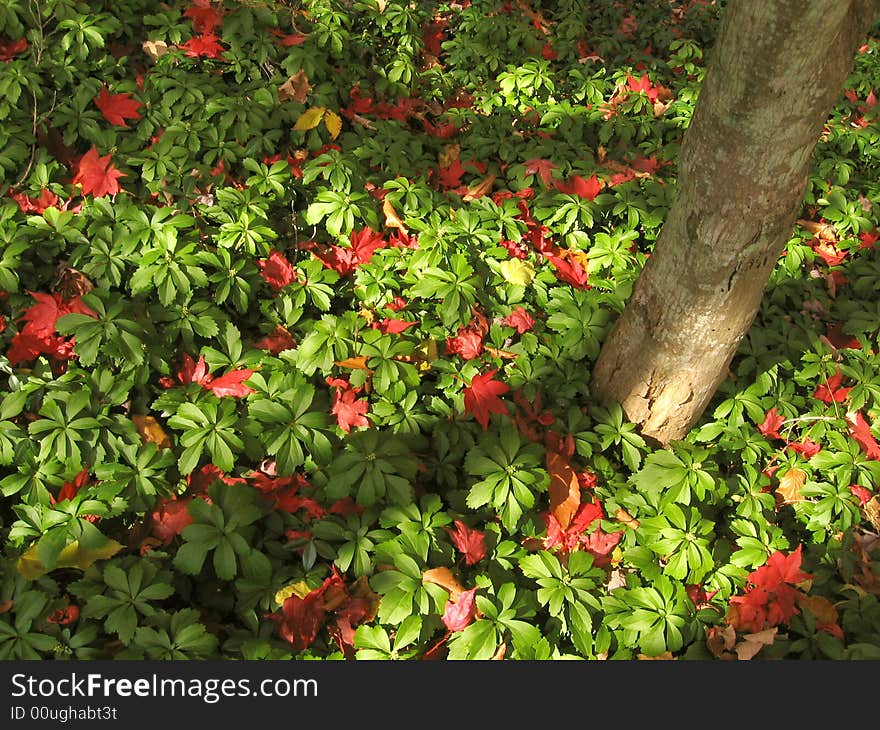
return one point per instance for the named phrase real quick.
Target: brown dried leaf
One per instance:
(665, 656)
(790, 484)
(872, 511)
(565, 491)
(820, 607)
(155, 49)
(151, 431)
(449, 154)
(444, 578)
(720, 639)
(6, 606)
(296, 88)
(503, 354)
(822, 231)
(363, 122)
(752, 644)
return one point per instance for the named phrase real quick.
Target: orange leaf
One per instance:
(625, 518)
(790, 484)
(151, 431)
(820, 607)
(480, 189)
(354, 363)
(392, 220)
(495, 352)
(444, 578)
(565, 492)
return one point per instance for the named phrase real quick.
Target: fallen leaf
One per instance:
(6, 606)
(309, 119)
(790, 485)
(353, 363)
(517, 271)
(72, 556)
(565, 491)
(300, 589)
(872, 512)
(333, 122)
(155, 49)
(449, 154)
(480, 189)
(151, 431)
(752, 644)
(505, 354)
(625, 518)
(444, 578)
(296, 88)
(392, 220)
(665, 656)
(820, 607)
(720, 639)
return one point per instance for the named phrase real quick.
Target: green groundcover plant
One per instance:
(300, 302)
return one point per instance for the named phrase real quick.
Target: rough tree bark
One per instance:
(777, 68)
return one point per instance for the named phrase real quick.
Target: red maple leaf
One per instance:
(542, 168)
(116, 108)
(362, 245)
(206, 45)
(459, 614)
(64, 616)
(97, 175)
(576, 185)
(860, 430)
(806, 448)
(192, 371)
(861, 494)
(772, 422)
(277, 271)
(230, 384)
(481, 397)
(642, 85)
(569, 270)
(8, 49)
(393, 326)
(449, 177)
(470, 543)
(830, 391)
(205, 18)
(26, 204)
(169, 518)
(347, 407)
(829, 253)
(300, 619)
(868, 239)
(520, 320)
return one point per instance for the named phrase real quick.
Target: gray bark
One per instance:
(777, 68)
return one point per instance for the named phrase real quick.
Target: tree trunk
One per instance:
(777, 68)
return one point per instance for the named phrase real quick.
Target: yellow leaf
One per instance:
(333, 123)
(300, 589)
(309, 119)
(790, 485)
(72, 556)
(517, 271)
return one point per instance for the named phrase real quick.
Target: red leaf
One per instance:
(806, 448)
(193, 372)
(481, 397)
(169, 518)
(565, 490)
(8, 49)
(206, 45)
(860, 493)
(278, 341)
(301, 618)
(64, 616)
(835, 335)
(205, 18)
(69, 490)
(569, 271)
(830, 254)
(467, 343)
(230, 384)
(394, 326)
(345, 260)
(470, 543)
(96, 174)
(277, 271)
(542, 168)
(830, 391)
(860, 430)
(348, 409)
(771, 424)
(520, 320)
(116, 108)
(576, 185)
(459, 614)
(47, 199)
